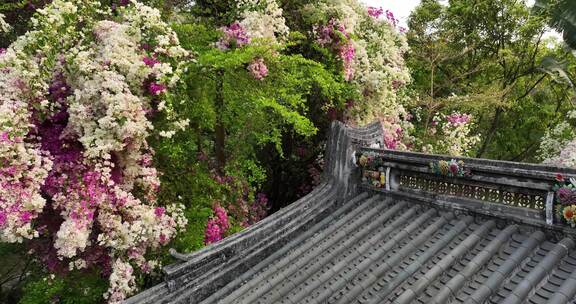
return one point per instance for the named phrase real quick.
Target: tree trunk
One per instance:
(220, 142)
(491, 132)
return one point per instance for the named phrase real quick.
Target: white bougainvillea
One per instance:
(558, 146)
(454, 134)
(75, 114)
(372, 59)
(262, 19)
(4, 26)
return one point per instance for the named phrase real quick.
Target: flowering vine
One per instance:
(262, 19)
(217, 225)
(235, 36)
(334, 35)
(75, 114)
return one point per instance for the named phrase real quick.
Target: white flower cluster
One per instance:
(554, 141)
(567, 156)
(116, 71)
(263, 19)
(122, 281)
(558, 146)
(23, 165)
(349, 13)
(379, 69)
(454, 136)
(4, 26)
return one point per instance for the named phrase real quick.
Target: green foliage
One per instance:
(74, 288)
(489, 59)
(193, 238)
(218, 12)
(562, 15)
(255, 112)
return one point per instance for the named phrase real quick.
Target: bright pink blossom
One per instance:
(235, 36)
(391, 18)
(390, 142)
(222, 217)
(335, 35)
(26, 216)
(163, 239)
(375, 12)
(150, 61)
(4, 137)
(159, 211)
(213, 232)
(156, 88)
(458, 119)
(217, 225)
(3, 218)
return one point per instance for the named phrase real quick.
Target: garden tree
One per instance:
(486, 59)
(364, 49)
(247, 93)
(558, 146)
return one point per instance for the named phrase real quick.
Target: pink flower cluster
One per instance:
(395, 138)
(458, 119)
(235, 36)
(156, 88)
(258, 69)
(375, 12)
(335, 35)
(217, 225)
(391, 18)
(150, 61)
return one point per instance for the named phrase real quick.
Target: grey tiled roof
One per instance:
(486, 238)
(380, 250)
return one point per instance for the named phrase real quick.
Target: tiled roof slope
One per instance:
(381, 250)
(418, 237)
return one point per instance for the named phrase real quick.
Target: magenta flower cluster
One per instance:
(235, 36)
(258, 69)
(375, 12)
(156, 88)
(391, 18)
(335, 35)
(150, 61)
(217, 225)
(458, 119)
